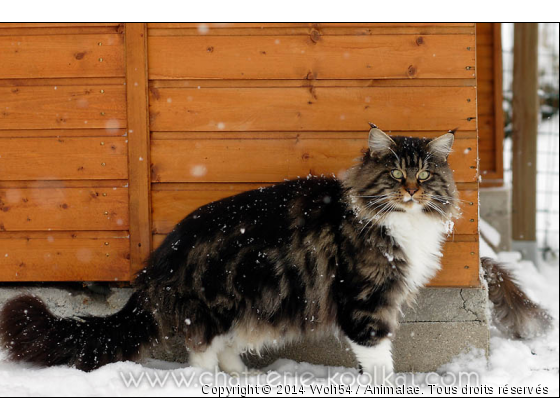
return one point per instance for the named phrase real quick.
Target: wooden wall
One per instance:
(490, 114)
(112, 134)
(63, 153)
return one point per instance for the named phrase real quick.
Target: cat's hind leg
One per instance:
(230, 361)
(208, 358)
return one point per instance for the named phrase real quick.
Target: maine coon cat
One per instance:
(302, 258)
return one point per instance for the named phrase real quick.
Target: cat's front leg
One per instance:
(375, 359)
(369, 337)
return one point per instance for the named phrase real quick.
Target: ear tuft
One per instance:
(379, 143)
(441, 146)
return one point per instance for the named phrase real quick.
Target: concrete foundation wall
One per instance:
(444, 323)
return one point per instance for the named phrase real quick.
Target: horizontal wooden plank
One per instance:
(324, 31)
(80, 183)
(273, 160)
(460, 264)
(301, 24)
(291, 135)
(25, 209)
(307, 83)
(69, 81)
(311, 57)
(63, 158)
(63, 133)
(325, 109)
(287, 29)
(42, 107)
(55, 56)
(64, 259)
(70, 234)
(94, 30)
(171, 205)
(55, 24)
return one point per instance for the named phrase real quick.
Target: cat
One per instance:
(303, 258)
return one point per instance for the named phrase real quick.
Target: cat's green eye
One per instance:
(423, 175)
(397, 174)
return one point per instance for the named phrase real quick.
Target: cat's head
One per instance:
(404, 174)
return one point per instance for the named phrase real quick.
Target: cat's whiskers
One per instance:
(385, 213)
(435, 207)
(381, 215)
(373, 196)
(376, 216)
(378, 201)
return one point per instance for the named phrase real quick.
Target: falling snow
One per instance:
(203, 29)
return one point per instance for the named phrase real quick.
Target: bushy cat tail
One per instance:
(31, 333)
(514, 313)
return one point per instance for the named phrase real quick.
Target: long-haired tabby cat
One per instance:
(302, 258)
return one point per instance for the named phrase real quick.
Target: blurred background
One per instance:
(531, 198)
(547, 134)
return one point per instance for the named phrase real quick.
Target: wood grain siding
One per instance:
(311, 56)
(490, 113)
(65, 256)
(55, 158)
(273, 160)
(201, 27)
(52, 107)
(63, 153)
(459, 266)
(55, 56)
(25, 209)
(313, 109)
(80, 25)
(291, 29)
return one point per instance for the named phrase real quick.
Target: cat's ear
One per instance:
(441, 146)
(379, 143)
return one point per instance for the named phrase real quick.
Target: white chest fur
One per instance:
(421, 237)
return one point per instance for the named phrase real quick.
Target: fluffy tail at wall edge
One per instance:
(514, 313)
(31, 333)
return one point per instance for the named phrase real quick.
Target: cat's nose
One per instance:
(412, 191)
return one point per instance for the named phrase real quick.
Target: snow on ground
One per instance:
(532, 364)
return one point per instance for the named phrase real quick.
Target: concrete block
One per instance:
(447, 305)
(425, 346)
